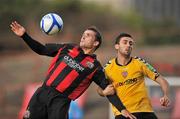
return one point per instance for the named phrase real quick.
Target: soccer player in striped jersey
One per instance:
(73, 69)
(127, 75)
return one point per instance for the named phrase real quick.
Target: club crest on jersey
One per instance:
(90, 64)
(26, 114)
(124, 74)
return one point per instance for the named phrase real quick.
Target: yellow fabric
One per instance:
(129, 83)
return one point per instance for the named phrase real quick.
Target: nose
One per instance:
(128, 44)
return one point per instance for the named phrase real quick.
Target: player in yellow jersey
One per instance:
(127, 75)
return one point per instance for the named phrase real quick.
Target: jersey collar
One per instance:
(121, 64)
(91, 55)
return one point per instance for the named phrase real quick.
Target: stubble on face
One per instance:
(87, 39)
(126, 46)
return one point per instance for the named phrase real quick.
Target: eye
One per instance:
(124, 42)
(131, 43)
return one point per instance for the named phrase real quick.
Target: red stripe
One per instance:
(67, 81)
(73, 53)
(82, 87)
(60, 67)
(54, 61)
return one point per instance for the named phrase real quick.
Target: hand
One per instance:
(109, 90)
(127, 114)
(165, 101)
(17, 28)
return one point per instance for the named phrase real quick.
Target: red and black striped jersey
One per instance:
(71, 71)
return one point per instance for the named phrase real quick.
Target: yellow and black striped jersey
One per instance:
(129, 83)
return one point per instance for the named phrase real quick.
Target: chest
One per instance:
(75, 59)
(122, 73)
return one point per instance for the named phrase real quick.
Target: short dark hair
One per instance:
(98, 35)
(121, 35)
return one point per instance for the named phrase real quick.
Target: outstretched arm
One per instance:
(99, 79)
(109, 90)
(37, 47)
(165, 101)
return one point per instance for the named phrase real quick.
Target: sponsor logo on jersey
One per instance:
(127, 82)
(72, 63)
(26, 114)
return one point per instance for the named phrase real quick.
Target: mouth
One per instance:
(127, 50)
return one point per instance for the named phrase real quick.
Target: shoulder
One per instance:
(109, 63)
(145, 64)
(140, 60)
(70, 45)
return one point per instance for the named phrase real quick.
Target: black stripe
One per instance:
(61, 76)
(54, 68)
(81, 78)
(66, 70)
(58, 61)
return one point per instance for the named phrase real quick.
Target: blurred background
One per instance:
(154, 24)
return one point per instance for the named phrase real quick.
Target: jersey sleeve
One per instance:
(100, 80)
(149, 70)
(107, 69)
(53, 48)
(48, 49)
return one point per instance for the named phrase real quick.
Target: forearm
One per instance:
(34, 45)
(164, 85)
(116, 102)
(100, 92)
(114, 99)
(102, 82)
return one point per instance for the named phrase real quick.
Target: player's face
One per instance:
(88, 39)
(125, 46)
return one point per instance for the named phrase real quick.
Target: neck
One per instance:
(88, 51)
(122, 59)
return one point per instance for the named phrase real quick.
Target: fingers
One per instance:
(109, 90)
(134, 117)
(111, 85)
(127, 114)
(13, 26)
(130, 116)
(17, 28)
(164, 101)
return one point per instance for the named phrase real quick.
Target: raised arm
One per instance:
(37, 47)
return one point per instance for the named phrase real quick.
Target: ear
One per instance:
(96, 43)
(116, 46)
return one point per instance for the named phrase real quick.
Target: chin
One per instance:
(81, 45)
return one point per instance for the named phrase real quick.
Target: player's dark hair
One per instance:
(98, 35)
(121, 35)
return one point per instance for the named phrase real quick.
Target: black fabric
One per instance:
(71, 66)
(103, 83)
(91, 65)
(48, 49)
(140, 115)
(47, 103)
